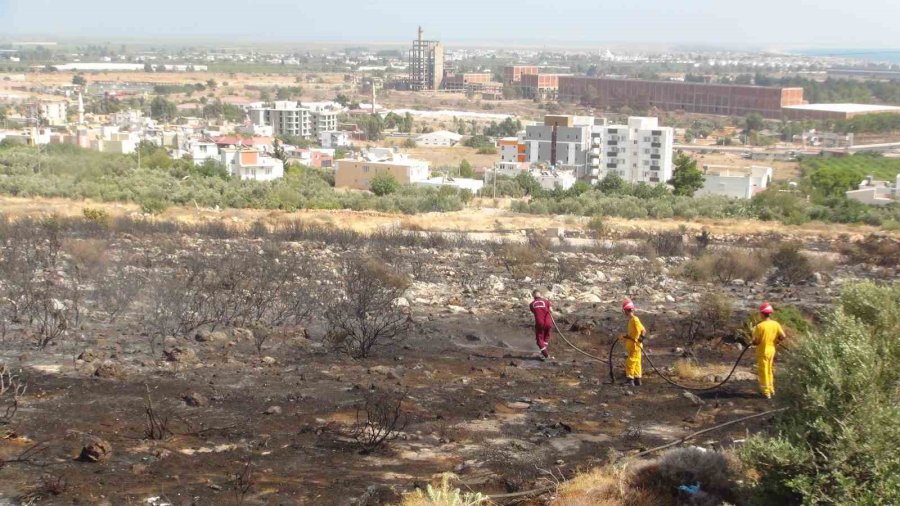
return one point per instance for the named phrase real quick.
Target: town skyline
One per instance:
(696, 22)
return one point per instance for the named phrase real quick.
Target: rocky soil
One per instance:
(112, 416)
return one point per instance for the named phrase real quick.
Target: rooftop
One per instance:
(845, 108)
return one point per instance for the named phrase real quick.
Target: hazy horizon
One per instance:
(769, 25)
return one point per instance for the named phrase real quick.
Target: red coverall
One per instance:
(543, 323)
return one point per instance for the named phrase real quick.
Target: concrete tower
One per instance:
(80, 108)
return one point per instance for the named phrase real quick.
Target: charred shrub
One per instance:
(380, 418)
(519, 260)
(875, 249)
(365, 314)
(667, 244)
(12, 387)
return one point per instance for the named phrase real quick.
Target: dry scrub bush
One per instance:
(837, 442)
(878, 250)
(792, 266)
(711, 318)
(727, 266)
(716, 473)
(668, 244)
(365, 314)
(519, 260)
(443, 495)
(686, 368)
(607, 486)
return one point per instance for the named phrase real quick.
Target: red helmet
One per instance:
(766, 308)
(627, 305)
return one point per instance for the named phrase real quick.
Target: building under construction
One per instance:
(426, 64)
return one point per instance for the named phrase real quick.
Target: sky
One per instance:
(756, 24)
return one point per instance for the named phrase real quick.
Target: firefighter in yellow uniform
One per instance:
(634, 344)
(766, 335)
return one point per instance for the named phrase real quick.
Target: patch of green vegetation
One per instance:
(71, 172)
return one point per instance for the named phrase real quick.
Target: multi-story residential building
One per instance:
(54, 113)
(426, 64)
(703, 98)
(512, 150)
(640, 151)
(247, 163)
(358, 173)
(292, 118)
(512, 74)
(563, 142)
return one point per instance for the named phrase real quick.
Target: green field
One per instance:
(858, 165)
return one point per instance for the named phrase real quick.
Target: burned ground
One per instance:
(202, 358)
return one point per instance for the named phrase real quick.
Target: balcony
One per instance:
(655, 157)
(656, 145)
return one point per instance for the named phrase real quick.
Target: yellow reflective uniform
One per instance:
(633, 362)
(765, 336)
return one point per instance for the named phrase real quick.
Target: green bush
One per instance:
(384, 184)
(836, 443)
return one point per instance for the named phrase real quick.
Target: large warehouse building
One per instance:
(701, 98)
(835, 111)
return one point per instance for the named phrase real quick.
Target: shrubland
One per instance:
(836, 444)
(71, 172)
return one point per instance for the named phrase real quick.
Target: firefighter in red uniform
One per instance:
(543, 322)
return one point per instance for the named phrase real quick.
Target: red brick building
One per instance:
(513, 73)
(702, 98)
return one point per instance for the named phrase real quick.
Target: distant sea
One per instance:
(873, 55)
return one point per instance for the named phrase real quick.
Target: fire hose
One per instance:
(609, 362)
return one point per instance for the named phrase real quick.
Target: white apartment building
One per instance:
(54, 113)
(640, 151)
(291, 118)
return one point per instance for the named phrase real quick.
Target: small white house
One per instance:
(740, 183)
(473, 185)
(876, 193)
(203, 150)
(439, 139)
(334, 139)
(251, 164)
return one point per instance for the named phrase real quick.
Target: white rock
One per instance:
(401, 302)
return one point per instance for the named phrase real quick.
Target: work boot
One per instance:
(637, 382)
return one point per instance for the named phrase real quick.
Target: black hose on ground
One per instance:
(672, 382)
(576, 348)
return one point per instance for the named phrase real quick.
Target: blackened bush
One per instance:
(365, 315)
(836, 444)
(667, 244)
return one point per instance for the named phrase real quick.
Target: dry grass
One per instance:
(606, 486)
(467, 220)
